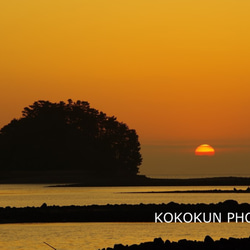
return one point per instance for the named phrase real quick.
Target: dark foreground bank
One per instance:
(160, 213)
(208, 243)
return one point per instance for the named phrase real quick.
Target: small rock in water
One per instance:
(44, 205)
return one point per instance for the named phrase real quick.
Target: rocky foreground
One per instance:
(207, 244)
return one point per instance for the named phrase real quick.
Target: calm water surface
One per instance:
(36, 195)
(93, 236)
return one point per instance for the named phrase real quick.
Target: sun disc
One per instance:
(204, 149)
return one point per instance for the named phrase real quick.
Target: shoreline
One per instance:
(146, 181)
(80, 179)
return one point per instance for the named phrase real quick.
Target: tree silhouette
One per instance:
(69, 136)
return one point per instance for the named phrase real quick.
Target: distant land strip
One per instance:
(117, 213)
(192, 191)
(81, 179)
(146, 181)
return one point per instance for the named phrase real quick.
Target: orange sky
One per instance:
(176, 71)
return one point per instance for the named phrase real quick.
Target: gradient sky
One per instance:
(176, 71)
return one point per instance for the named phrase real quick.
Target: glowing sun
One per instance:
(204, 149)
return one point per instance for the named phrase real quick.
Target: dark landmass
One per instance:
(69, 136)
(116, 213)
(74, 143)
(208, 243)
(65, 178)
(142, 180)
(193, 191)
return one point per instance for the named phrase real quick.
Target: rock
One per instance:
(44, 205)
(208, 240)
(230, 203)
(167, 243)
(159, 241)
(119, 247)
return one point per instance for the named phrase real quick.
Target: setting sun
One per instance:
(204, 149)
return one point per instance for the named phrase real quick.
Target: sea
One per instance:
(94, 236)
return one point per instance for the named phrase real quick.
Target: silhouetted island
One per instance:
(183, 244)
(71, 140)
(74, 143)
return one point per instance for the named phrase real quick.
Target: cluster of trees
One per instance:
(69, 136)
